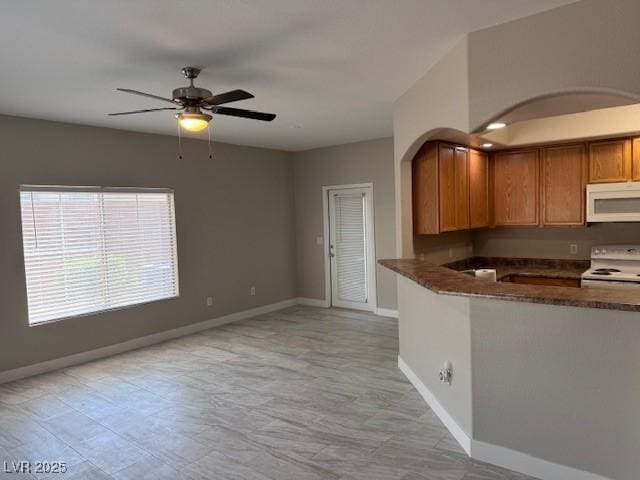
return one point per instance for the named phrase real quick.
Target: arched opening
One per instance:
(564, 116)
(557, 117)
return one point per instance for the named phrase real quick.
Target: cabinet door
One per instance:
(516, 188)
(563, 184)
(461, 157)
(610, 161)
(478, 189)
(425, 191)
(447, 197)
(636, 160)
(454, 188)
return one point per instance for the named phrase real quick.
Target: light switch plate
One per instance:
(319, 241)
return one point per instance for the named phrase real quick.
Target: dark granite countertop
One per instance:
(448, 280)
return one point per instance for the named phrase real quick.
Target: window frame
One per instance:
(97, 189)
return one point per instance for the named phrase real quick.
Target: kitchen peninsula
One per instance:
(529, 363)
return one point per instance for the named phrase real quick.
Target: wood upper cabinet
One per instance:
(459, 188)
(479, 210)
(425, 190)
(516, 188)
(564, 178)
(454, 188)
(610, 161)
(440, 189)
(635, 169)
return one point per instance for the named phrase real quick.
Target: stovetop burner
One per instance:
(615, 265)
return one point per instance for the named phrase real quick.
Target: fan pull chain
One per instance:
(209, 131)
(179, 141)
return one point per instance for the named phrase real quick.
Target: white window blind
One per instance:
(351, 247)
(87, 249)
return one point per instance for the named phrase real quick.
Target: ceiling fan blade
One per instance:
(238, 112)
(149, 95)
(143, 111)
(232, 96)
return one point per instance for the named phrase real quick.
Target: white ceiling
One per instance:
(330, 69)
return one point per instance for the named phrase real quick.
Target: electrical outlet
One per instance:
(209, 301)
(573, 248)
(450, 252)
(446, 374)
(252, 291)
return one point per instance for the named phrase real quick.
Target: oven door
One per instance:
(609, 284)
(613, 202)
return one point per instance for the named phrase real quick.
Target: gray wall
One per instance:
(552, 242)
(362, 162)
(583, 45)
(444, 247)
(235, 225)
(558, 383)
(434, 328)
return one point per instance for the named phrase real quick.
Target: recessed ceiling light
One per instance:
(487, 145)
(496, 125)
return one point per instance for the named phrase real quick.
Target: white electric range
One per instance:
(613, 266)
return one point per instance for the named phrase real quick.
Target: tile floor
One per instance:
(300, 394)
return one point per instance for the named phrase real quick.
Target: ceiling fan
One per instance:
(192, 100)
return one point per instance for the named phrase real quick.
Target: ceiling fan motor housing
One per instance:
(190, 93)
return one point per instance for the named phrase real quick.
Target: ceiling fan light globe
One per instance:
(193, 122)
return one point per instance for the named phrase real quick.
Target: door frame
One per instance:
(371, 257)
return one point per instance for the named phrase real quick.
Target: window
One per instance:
(89, 249)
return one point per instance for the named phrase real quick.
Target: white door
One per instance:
(351, 248)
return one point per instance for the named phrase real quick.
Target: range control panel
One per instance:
(616, 252)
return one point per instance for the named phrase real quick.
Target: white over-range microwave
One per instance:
(613, 202)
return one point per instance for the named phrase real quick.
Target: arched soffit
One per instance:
(560, 102)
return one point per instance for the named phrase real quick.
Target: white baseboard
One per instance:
(387, 312)
(495, 454)
(313, 302)
(78, 358)
(323, 303)
(458, 433)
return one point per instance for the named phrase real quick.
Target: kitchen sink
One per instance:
(541, 280)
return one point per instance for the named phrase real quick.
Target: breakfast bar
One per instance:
(529, 364)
